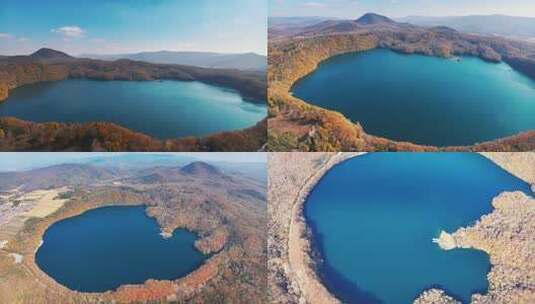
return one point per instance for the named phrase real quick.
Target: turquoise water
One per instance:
(424, 100)
(162, 109)
(105, 248)
(374, 217)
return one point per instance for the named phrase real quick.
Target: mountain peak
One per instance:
(46, 53)
(372, 18)
(200, 168)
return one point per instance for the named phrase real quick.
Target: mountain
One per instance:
(244, 61)
(284, 26)
(201, 169)
(373, 19)
(54, 176)
(141, 160)
(51, 65)
(365, 22)
(287, 22)
(158, 174)
(49, 54)
(501, 25)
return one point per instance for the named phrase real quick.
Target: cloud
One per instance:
(314, 4)
(23, 39)
(69, 31)
(5, 36)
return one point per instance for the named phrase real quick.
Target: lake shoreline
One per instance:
(21, 135)
(437, 112)
(298, 125)
(46, 255)
(303, 271)
(146, 107)
(149, 290)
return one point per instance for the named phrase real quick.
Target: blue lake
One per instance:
(373, 219)
(162, 109)
(105, 248)
(423, 99)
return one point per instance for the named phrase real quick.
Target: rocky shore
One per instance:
(506, 234)
(292, 273)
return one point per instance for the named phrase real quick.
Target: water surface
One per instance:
(105, 248)
(374, 217)
(162, 109)
(423, 99)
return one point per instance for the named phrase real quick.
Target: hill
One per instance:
(373, 19)
(56, 176)
(49, 54)
(244, 61)
(201, 169)
(501, 25)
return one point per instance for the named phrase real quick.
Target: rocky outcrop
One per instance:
(521, 165)
(445, 241)
(506, 235)
(435, 296)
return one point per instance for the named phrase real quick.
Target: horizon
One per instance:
(14, 162)
(396, 9)
(406, 16)
(159, 51)
(106, 27)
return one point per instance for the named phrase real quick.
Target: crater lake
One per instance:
(373, 219)
(422, 99)
(107, 247)
(162, 109)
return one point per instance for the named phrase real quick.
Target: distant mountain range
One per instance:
(498, 25)
(501, 25)
(244, 61)
(308, 26)
(295, 21)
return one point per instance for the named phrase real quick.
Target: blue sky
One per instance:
(400, 8)
(123, 26)
(15, 161)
